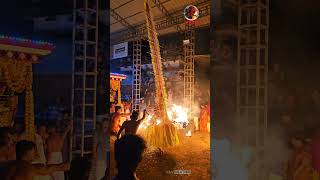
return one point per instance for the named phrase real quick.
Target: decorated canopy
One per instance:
(115, 86)
(17, 56)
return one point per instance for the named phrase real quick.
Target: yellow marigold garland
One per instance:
(15, 73)
(29, 109)
(115, 86)
(18, 76)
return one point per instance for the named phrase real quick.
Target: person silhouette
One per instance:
(128, 154)
(131, 127)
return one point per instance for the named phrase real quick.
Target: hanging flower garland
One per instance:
(115, 86)
(29, 109)
(18, 76)
(15, 72)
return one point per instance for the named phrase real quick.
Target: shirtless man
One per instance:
(132, 126)
(23, 169)
(55, 144)
(115, 121)
(41, 137)
(101, 148)
(7, 147)
(3, 151)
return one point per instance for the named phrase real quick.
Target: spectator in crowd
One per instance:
(204, 118)
(128, 154)
(115, 121)
(300, 162)
(80, 169)
(55, 144)
(23, 169)
(101, 148)
(41, 137)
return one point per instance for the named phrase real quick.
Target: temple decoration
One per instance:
(17, 56)
(162, 133)
(115, 87)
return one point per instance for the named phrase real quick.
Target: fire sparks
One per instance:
(146, 122)
(177, 114)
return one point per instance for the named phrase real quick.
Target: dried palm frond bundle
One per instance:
(165, 133)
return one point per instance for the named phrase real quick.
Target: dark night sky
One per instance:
(294, 25)
(294, 39)
(294, 29)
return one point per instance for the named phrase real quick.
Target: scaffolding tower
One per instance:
(252, 79)
(84, 75)
(136, 71)
(189, 44)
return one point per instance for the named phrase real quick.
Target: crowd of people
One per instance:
(47, 158)
(41, 159)
(293, 112)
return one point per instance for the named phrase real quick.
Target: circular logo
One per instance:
(191, 13)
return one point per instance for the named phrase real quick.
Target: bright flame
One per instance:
(177, 114)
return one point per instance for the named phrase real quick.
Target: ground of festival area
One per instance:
(192, 154)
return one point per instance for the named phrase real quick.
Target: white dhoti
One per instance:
(42, 178)
(100, 169)
(275, 177)
(56, 158)
(41, 159)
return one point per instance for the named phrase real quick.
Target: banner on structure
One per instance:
(120, 50)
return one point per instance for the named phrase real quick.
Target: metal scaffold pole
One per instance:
(136, 72)
(189, 47)
(84, 75)
(252, 80)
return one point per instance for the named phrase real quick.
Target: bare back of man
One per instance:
(115, 124)
(131, 127)
(55, 143)
(56, 140)
(23, 170)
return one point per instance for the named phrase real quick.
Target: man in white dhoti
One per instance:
(55, 145)
(41, 158)
(101, 149)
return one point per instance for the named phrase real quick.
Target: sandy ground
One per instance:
(192, 156)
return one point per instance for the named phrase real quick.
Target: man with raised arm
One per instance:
(131, 127)
(55, 145)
